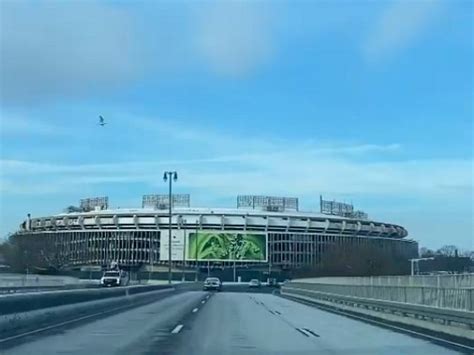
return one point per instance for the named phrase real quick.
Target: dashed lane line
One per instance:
(177, 329)
(302, 332)
(310, 331)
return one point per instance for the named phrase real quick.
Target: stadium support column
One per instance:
(234, 270)
(269, 256)
(171, 176)
(196, 252)
(150, 255)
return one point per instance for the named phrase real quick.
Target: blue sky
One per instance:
(363, 101)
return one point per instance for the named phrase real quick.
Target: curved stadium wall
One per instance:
(132, 237)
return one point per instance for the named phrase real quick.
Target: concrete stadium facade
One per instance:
(132, 237)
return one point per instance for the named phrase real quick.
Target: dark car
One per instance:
(212, 284)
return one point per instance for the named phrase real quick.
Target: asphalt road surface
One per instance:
(224, 323)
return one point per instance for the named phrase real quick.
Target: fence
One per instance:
(452, 298)
(438, 281)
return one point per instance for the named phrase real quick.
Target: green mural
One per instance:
(227, 246)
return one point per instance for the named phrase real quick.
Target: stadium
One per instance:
(262, 232)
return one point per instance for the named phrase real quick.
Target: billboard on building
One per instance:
(177, 244)
(227, 246)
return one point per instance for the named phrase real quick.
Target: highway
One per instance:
(196, 322)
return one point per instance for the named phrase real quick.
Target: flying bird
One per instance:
(102, 121)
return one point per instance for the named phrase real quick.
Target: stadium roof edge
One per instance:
(217, 210)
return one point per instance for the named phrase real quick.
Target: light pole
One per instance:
(170, 176)
(196, 253)
(183, 276)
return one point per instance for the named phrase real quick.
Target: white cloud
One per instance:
(234, 37)
(19, 126)
(399, 26)
(55, 49)
(226, 142)
(60, 49)
(299, 173)
(265, 166)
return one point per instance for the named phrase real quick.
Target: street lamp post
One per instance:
(196, 253)
(170, 176)
(183, 275)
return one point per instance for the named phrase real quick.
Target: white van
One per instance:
(114, 278)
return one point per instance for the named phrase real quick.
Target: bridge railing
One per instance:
(440, 281)
(452, 298)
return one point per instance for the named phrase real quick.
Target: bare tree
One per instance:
(358, 260)
(447, 250)
(426, 253)
(44, 253)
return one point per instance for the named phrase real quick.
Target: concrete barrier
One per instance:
(29, 289)
(34, 280)
(24, 313)
(17, 323)
(31, 301)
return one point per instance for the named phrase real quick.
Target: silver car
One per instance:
(212, 284)
(255, 283)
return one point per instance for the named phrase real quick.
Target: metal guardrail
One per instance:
(452, 298)
(447, 316)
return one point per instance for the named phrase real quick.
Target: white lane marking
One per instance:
(177, 329)
(304, 331)
(311, 332)
(195, 310)
(203, 301)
